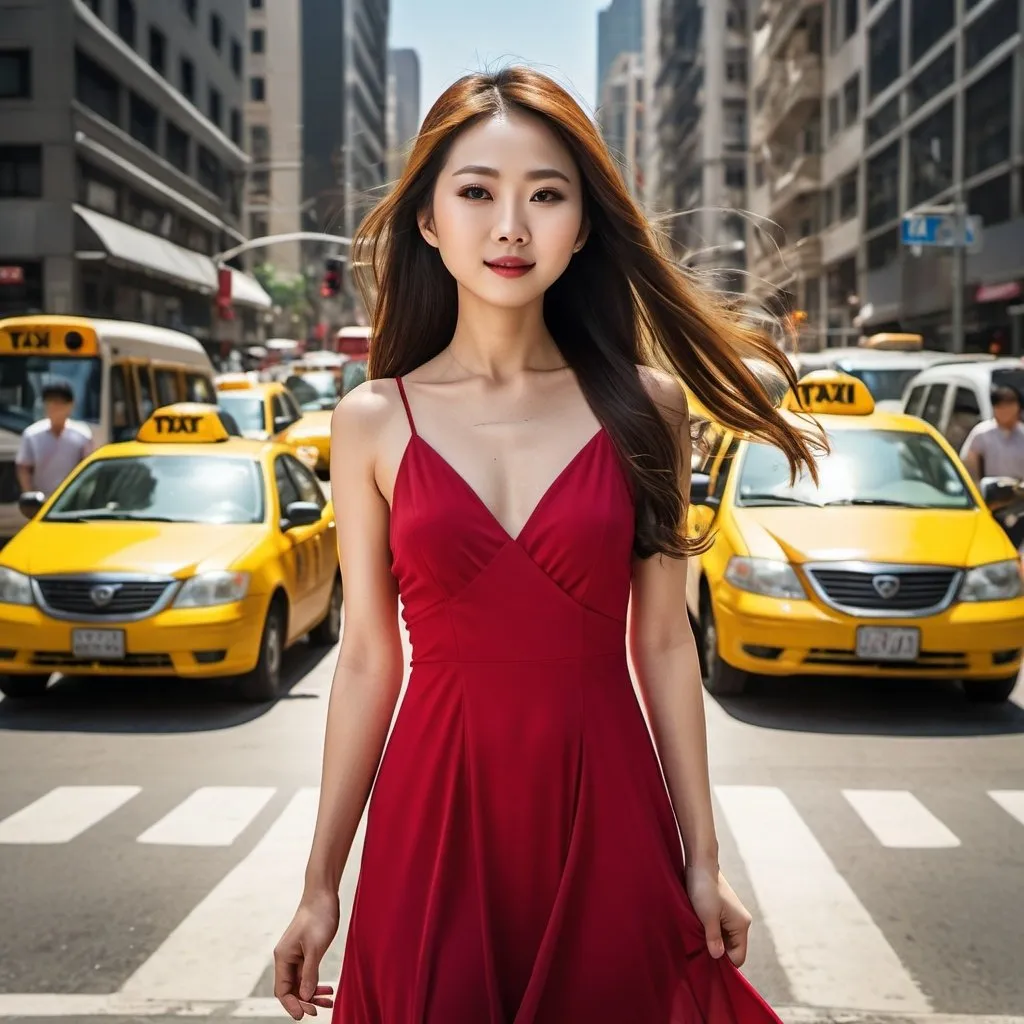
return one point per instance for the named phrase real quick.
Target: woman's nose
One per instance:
(511, 230)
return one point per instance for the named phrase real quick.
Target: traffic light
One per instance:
(331, 284)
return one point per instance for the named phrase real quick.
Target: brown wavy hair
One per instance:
(621, 303)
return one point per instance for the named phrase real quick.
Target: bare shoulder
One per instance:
(366, 410)
(667, 394)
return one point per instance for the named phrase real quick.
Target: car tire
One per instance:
(24, 687)
(720, 678)
(263, 683)
(989, 691)
(326, 632)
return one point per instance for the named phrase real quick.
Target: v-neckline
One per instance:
(416, 438)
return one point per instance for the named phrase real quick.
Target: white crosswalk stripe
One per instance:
(899, 820)
(211, 816)
(64, 813)
(832, 951)
(1011, 800)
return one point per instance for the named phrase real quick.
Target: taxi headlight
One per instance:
(764, 576)
(210, 588)
(15, 587)
(997, 581)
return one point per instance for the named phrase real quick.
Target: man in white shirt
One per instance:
(53, 446)
(995, 447)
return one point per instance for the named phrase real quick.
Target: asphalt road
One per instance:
(153, 837)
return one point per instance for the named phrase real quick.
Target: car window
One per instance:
(352, 375)
(145, 382)
(280, 411)
(723, 467)
(124, 420)
(199, 389)
(287, 492)
(933, 404)
(915, 402)
(166, 386)
(248, 410)
(305, 482)
(291, 406)
(965, 416)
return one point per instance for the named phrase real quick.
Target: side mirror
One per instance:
(30, 503)
(301, 513)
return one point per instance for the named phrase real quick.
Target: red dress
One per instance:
(522, 863)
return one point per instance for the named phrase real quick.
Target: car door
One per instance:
(324, 547)
(298, 552)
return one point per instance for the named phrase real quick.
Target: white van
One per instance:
(119, 372)
(953, 397)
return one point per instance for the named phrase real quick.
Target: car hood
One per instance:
(312, 424)
(941, 537)
(162, 549)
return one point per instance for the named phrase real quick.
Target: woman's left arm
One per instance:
(664, 655)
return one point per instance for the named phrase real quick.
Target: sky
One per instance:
(453, 37)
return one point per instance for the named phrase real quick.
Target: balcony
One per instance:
(801, 178)
(795, 91)
(782, 18)
(801, 259)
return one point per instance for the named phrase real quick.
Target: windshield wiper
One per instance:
(775, 499)
(91, 515)
(889, 502)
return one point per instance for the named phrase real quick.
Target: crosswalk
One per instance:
(836, 958)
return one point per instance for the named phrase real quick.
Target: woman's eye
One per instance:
(547, 195)
(474, 192)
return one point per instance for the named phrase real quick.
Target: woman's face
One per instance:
(507, 210)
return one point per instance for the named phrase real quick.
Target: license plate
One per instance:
(107, 644)
(888, 643)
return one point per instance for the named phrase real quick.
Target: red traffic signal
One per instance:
(331, 283)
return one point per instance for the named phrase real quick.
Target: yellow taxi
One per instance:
(185, 552)
(268, 409)
(890, 566)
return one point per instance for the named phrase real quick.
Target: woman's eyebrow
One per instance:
(491, 172)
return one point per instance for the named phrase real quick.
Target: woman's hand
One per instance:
(725, 919)
(297, 956)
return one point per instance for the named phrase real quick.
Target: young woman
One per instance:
(516, 471)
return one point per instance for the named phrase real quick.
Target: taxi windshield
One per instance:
(317, 390)
(885, 385)
(248, 410)
(905, 469)
(22, 379)
(164, 488)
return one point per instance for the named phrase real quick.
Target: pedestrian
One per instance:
(515, 470)
(995, 447)
(52, 447)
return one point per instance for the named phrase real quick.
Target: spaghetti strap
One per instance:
(405, 402)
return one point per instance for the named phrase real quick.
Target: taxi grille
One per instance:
(885, 590)
(926, 660)
(10, 489)
(92, 597)
(61, 659)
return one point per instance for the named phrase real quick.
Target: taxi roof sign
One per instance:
(183, 423)
(830, 393)
(233, 382)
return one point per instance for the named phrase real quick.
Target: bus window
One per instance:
(166, 386)
(144, 384)
(22, 378)
(124, 418)
(199, 389)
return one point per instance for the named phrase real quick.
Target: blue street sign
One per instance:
(938, 229)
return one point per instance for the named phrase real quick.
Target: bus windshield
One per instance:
(23, 377)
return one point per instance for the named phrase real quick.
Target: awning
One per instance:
(153, 255)
(247, 291)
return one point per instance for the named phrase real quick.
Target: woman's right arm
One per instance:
(367, 682)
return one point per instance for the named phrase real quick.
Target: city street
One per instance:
(153, 837)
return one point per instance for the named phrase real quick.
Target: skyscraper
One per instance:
(619, 30)
(403, 106)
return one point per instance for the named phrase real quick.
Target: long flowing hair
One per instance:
(622, 303)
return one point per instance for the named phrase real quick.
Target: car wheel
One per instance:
(989, 691)
(263, 683)
(24, 687)
(326, 632)
(720, 678)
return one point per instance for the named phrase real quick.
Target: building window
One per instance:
(236, 126)
(991, 201)
(215, 106)
(142, 121)
(851, 99)
(126, 21)
(259, 184)
(930, 20)
(259, 143)
(257, 40)
(833, 115)
(236, 58)
(256, 5)
(259, 225)
(987, 119)
(883, 249)
(190, 9)
(178, 146)
(97, 89)
(884, 120)
(995, 26)
(828, 213)
(15, 74)
(216, 32)
(848, 196)
(835, 26)
(884, 50)
(21, 172)
(211, 174)
(758, 173)
(851, 19)
(938, 75)
(157, 51)
(257, 89)
(883, 186)
(736, 176)
(188, 79)
(930, 153)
